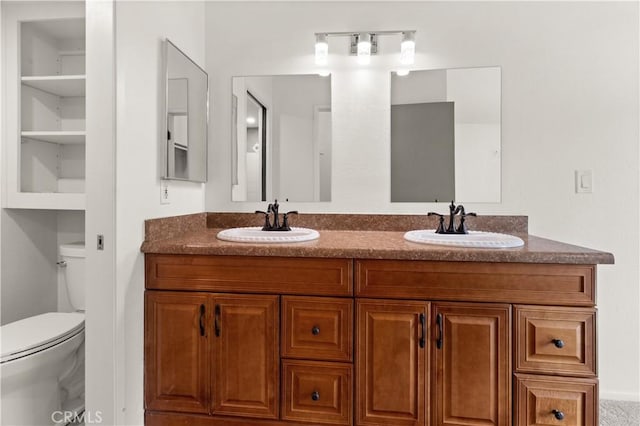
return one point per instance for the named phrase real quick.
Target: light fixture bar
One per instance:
(354, 43)
(364, 44)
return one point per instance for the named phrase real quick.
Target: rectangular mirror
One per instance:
(281, 138)
(186, 117)
(445, 135)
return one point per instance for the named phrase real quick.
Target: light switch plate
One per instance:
(584, 181)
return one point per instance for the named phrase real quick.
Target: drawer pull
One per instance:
(559, 343)
(315, 395)
(315, 330)
(558, 414)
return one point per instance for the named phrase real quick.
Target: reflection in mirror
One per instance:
(445, 135)
(256, 149)
(281, 138)
(187, 103)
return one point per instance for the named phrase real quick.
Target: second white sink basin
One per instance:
(255, 234)
(475, 239)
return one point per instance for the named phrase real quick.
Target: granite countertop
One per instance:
(196, 234)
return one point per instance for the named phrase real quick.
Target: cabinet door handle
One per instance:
(201, 320)
(216, 321)
(423, 330)
(559, 415)
(558, 343)
(315, 330)
(440, 334)
(315, 395)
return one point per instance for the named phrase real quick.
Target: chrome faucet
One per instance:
(453, 212)
(275, 226)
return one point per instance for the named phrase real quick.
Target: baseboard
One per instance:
(620, 396)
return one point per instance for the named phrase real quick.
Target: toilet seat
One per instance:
(30, 335)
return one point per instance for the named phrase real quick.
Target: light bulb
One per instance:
(322, 49)
(364, 48)
(408, 48)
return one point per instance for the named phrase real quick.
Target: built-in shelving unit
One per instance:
(50, 172)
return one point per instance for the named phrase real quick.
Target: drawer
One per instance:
(544, 284)
(547, 400)
(317, 328)
(317, 392)
(553, 340)
(248, 274)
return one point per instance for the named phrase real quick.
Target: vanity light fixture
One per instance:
(364, 44)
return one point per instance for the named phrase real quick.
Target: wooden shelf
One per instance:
(46, 201)
(59, 85)
(60, 137)
(180, 147)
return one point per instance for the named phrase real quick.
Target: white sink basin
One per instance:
(475, 239)
(255, 234)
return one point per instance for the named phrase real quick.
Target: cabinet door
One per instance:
(471, 364)
(245, 356)
(176, 351)
(391, 362)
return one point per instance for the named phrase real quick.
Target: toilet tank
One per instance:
(72, 261)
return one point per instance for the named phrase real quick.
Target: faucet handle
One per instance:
(267, 224)
(462, 228)
(285, 220)
(440, 229)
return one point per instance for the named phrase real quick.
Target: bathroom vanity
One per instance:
(364, 328)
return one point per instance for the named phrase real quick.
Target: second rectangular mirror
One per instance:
(281, 138)
(445, 135)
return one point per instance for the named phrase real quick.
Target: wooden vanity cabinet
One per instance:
(233, 340)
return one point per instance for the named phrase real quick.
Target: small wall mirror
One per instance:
(186, 117)
(281, 138)
(445, 135)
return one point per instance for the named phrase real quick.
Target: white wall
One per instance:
(140, 29)
(569, 101)
(29, 283)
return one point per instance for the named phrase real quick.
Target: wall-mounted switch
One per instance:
(584, 181)
(164, 192)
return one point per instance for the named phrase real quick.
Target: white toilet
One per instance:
(42, 365)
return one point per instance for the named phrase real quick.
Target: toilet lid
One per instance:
(31, 333)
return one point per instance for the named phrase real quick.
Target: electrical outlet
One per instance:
(165, 195)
